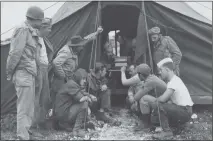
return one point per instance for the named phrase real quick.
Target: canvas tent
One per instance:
(191, 31)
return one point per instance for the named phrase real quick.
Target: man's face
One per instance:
(155, 38)
(132, 71)
(163, 72)
(103, 72)
(45, 31)
(83, 82)
(36, 24)
(77, 50)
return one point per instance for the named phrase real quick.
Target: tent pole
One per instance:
(149, 48)
(116, 45)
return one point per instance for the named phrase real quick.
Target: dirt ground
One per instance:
(201, 129)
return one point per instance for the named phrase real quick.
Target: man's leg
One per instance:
(105, 98)
(79, 113)
(145, 110)
(45, 99)
(25, 88)
(171, 113)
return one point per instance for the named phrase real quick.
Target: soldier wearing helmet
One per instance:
(165, 46)
(22, 68)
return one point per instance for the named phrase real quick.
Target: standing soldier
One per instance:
(66, 61)
(43, 100)
(22, 68)
(165, 46)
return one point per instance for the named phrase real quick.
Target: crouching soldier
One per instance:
(175, 104)
(133, 89)
(71, 104)
(97, 85)
(152, 86)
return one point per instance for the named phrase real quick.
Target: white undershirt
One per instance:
(181, 94)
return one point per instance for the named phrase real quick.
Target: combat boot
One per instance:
(79, 123)
(164, 135)
(145, 124)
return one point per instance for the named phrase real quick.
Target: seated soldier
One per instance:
(152, 86)
(175, 104)
(97, 85)
(71, 105)
(133, 89)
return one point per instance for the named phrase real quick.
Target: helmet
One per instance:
(35, 12)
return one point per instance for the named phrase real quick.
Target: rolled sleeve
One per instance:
(17, 46)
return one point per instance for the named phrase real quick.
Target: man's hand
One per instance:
(134, 107)
(130, 93)
(103, 87)
(9, 77)
(131, 99)
(93, 98)
(85, 98)
(100, 29)
(123, 69)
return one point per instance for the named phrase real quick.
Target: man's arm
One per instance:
(17, 46)
(145, 90)
(92, 36)
(166, 96)
(59, 61)
(176, 54)
(131, 81)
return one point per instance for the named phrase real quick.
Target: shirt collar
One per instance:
(32, 30)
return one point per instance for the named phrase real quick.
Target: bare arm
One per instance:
(131, 81)
(166, 95)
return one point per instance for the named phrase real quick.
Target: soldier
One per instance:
(66, 61)
(71, 105)
(165, 46)
(152, 86)
(174, 106)
(22, 68)
(43, 100)
(97, 86)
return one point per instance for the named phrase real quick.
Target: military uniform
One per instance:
(68, 109)
(22, 66)
(166, 47)
(94, 86)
